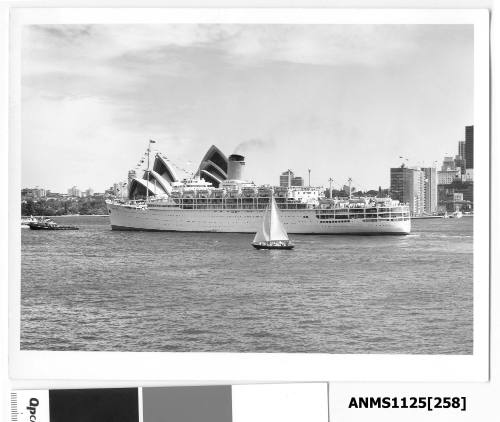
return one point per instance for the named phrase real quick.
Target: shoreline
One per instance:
(65, 215)
(428, 217)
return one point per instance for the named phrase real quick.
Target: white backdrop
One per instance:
(482, 396)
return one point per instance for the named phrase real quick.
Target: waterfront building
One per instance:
(461, 149)
(158, 179)
(460, 164)
(286, 179)
(448, 164)
(33, 193)
(455, 196)
(466, 188)
(468, 176)
(407, 186)
(469, 147)
(447, 176)
(55, 195)
(213, 167)
(418, 203)
(430, 190)
(75, 192)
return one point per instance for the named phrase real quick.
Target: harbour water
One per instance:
(102, 290)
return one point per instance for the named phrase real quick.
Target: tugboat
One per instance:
(272, 234)
(25, 221)
(48, 224)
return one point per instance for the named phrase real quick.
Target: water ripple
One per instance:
(95, 289)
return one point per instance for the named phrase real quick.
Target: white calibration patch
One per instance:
(30, 406)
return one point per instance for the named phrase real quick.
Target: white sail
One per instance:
(276, 230)
(262, 234)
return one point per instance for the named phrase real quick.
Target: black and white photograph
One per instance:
(249, 188)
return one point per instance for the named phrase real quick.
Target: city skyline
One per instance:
(343, 100)
(450, 169)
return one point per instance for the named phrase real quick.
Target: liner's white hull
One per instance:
(242, 221)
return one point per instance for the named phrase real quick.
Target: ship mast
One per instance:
(147, 170)
(350, 193)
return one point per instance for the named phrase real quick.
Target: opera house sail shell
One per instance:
(216, 198)
(158, 180)
(213, 166)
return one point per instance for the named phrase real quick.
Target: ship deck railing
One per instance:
(368, 211)
(397, 213)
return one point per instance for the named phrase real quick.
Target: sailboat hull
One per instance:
(257, 246)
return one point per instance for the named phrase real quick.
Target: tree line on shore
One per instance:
(82, 206)
(97, 205)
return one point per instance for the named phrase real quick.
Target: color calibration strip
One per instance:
(225, 403)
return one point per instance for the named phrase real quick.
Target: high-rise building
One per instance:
(448, 164)
(418, 204)
(286, 178)
(447, 176)
(297, 181)
(74, 191)
(469, 147)
(460, 163)
(430, 190)
(461, 149)
(407, 186)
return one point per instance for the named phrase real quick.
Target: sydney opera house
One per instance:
(214, 168)
(217, 199)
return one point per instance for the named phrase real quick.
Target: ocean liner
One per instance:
(217, 199)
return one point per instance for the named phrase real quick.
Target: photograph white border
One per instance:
(243, 367)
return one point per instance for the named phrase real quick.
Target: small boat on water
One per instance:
(25, 221)
(457, 214)
(48, 224)
(272, 233)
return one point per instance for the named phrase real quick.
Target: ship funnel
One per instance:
(235, 167)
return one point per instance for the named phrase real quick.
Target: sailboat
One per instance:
(272, 234)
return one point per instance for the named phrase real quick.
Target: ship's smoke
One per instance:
(251, 144)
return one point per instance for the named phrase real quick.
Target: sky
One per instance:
(341, 100)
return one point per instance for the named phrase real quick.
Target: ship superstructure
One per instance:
(226, 203)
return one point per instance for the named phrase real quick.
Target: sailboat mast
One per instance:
(271, 215)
